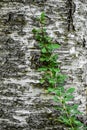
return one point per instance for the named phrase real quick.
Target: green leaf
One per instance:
(55, 98)
(44, 59)
(75, 106)
(58, 108)
(52, 81)
(64, 119)
(42, 69)
(44, 29)
(42, 18)
(44, 50)
(74, 111)
(69, 97)
(70, 90)
(50, 89)
(49, 39)
(55, 46)
(58, 92)
(42, 81)
(54, 57)
(55, 70)
(78, 123)
(34, 30)
(42, 15)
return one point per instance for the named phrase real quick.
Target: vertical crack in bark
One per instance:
(71, 9)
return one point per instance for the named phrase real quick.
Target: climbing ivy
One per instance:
(53, 79)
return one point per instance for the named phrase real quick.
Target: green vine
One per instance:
(53, 79)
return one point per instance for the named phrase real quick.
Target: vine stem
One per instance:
(65, 109)
(64, 104)
(51, 75)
